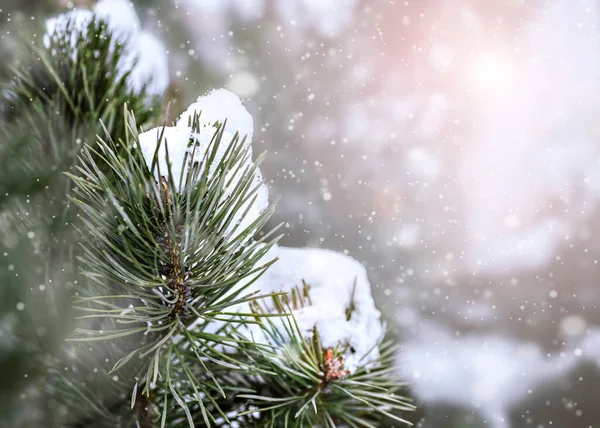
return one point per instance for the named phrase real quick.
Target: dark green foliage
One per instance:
(54, 103)
(49, 108)
(81, 78)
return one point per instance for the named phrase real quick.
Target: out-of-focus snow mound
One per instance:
(144, 55)
(487, 371)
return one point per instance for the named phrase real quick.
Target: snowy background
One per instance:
(453, 147)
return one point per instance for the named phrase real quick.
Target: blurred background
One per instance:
(453, 146)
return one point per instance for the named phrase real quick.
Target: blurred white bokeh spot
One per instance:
(243, 84)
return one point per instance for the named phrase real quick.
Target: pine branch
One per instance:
(166, 261)
(307, 386)
(79, 73)
(54, 103)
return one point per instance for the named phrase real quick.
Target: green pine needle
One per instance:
(307, 385)
(50, 107)
(83, 81)
(164, 259)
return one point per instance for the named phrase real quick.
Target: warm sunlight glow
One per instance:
(491, 74)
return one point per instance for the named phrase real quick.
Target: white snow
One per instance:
(121, 16)
(486, 371)
(175, 141)
(213, 108)
(77, 19)
(218, 105)
(148, 64)
(332, 277)
(144, 54)
(244, 84)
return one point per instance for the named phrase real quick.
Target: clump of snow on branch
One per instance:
(216, 109)
(219, 105)
(340, 307)
(76, 20)
(144, 55)
(121, 17)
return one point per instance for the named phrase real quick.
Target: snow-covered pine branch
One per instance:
(144, 58)
(179, 297)
(186, 145)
